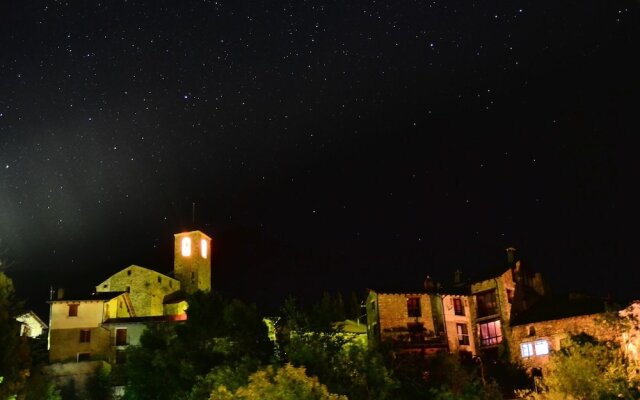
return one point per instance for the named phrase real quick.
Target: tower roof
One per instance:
(190, 232)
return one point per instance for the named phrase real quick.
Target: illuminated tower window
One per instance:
(186, 247)
(203, 248)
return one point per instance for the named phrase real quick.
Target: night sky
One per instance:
(333, 145)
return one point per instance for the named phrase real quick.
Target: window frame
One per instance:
(414, 308)
(85, 335)
(462, 331)
(487, 308)
(458, 306)
(126, 337)
(492, 338)
(73, 310)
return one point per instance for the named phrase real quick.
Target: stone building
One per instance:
(505, 310)
(536, 334)
(146, 287)
(472, 317)
(95, 329)
(76, 331)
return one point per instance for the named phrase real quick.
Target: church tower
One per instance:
(192, 261)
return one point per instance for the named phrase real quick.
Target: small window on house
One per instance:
(104, 286)
(73, 310)
(128, 289)
(129, 273)
(463, 334)
(373, 306)
(458, 307)
(159, 279)
(526, 349)
(541, 347)
(121, 337)
(413, 307)
(170, 284)
(532, 330)
(193, 277)
(85, 335)
(84, 357)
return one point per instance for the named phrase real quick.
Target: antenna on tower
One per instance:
(193, 214)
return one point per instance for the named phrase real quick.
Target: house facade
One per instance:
(76, 331)
(468, 317)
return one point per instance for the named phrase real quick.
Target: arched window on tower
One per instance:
(204, 247)
(186, 247)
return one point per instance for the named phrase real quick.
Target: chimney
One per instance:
(429, 284)
(457, 276)
(60, 295)
(511, 255)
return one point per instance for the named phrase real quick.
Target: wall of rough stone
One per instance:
(554, 331)
(392, 309)
(147, 289)
(194, 270)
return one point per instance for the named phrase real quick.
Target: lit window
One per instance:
(490, 333)
(85, 336)
(186, 247)
(73, 310)
(203, 248)
(542, 347)
(526, 349)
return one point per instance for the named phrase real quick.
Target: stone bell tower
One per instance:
(192, 261)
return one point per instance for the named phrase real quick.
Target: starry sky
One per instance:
(326, 145)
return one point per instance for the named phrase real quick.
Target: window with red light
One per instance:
(413, 307)
(490, 333)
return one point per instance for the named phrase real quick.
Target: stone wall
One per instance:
(147, 289)
(193, 270)
(554, 331)
(392, 309)
(65, 344)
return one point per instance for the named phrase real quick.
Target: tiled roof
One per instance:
(91, 297)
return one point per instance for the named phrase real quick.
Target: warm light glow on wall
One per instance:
(204, 247)
(186, 247)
